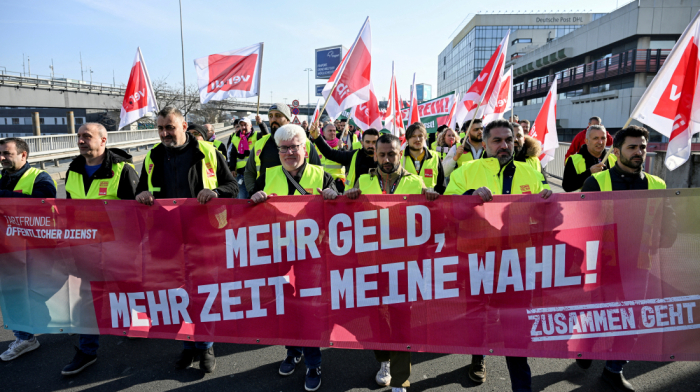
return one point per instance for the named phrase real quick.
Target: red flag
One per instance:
(317, 112)
(671, 103)
(453, 109)
(485, 88)
(366, 115)
(393, 121)
(352, 75)
(505, 98)
(232, 74)
(544, 128)
(139, 98)
(413, 111)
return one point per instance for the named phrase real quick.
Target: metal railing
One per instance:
(555, 167)
(42, 145)
(630, 61)
(37, 81)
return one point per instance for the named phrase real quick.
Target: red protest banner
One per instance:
(613, 276)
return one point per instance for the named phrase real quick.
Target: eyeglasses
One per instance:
(286, 149)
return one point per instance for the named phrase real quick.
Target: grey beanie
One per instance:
(282, 108)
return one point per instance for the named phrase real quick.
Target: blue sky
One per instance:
(411, 33)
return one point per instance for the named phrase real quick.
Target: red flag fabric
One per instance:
(139, 98)
(505, 97)
(544, 128)
(317, 112)
(393, 121)
(485, 87)
(352, 76)
(232, 74)
(453, 108)
(671, 103)
(366, 115)
(413, 109)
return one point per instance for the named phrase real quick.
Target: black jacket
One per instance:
(620, 181)
(227, 188)
(127, 183)
(573, 181)
(363, 162)
(44, 186)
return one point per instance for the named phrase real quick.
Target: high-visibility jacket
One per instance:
(216, 143)
(350, 180)
(428, 170)
(276, 181)
(335, 169)
(258, 146)
(605, 182)
(535, 163)
(515, 178)
(408, 185)
(467, 156)
(236, 140)
(101, 188)
(25, 185)
(580, 162)
(209, 167)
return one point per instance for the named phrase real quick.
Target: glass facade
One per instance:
(458, 66)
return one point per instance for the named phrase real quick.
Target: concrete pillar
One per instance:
(35, 124)
(586, 87)
(70, 120)
(640, 79)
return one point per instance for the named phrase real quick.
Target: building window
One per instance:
(444, 60)
(79, 120)
(15, 121)
(521, 41)
(443, 76)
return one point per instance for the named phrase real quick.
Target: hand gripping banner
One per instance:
(613, 275)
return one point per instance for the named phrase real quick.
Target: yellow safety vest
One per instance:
(428, 170)
(209, 166)
(350, 180)
(258, 146)
(236, 140)
(335, 169)
(488, 172)
(535, 163)
(605, 182)
(408, 185)
(580, 162)
(101, 188)
(25, 185)
(276, 181)
(442, 154)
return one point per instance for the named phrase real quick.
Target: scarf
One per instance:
(243, 144)
(333, 143)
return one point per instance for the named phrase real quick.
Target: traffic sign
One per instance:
(295, 103)
(295, 110)
(296, 120)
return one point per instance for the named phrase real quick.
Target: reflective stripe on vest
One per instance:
(408, 185)
(25, 185)
(276, 181)
(101, 188)
(605, 182)
(209, 167)
(428, 170)
(257, 150)
(335, 169)
(240, 163)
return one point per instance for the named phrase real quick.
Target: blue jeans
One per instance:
(615, 366)
(198, 345)
(89, 344)
(520, 375)
(23, 335)
(312, 355)
(242, 190)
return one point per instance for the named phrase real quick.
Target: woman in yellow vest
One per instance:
(417, 159)
(295, 178)
(333, 168)
(390, 178)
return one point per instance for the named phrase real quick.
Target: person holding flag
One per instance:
(469, 149)
(417, 159)
(333, 168)
(588, 160)
(99, 173)
(242, 142)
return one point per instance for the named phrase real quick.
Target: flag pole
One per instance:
(262, 47)
(182, 46)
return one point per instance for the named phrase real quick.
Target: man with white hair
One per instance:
(588, 160)
(294, 177)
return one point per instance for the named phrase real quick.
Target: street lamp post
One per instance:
(308, 89)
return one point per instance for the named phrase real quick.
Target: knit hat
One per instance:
(282, 108)
(198, 128)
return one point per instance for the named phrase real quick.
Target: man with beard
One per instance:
(588, 160)
(265, 150)
(211, 137)
(500, 175)
(183, 167)
(18, 179)
(580, 138)
(527, 149)
(417, 159)
(357, 161)
(389, 178)
(469, 149)
(525, 124)
(630, 148)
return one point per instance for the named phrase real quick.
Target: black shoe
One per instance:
(186, 358)
(617, 381)
(207, 361)
(313, 379)
(79, 363)
(584, 363)
(477, 371)
(289, 364)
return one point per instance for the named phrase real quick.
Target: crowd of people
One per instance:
(331, 159)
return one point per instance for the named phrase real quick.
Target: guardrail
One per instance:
(555, 167)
